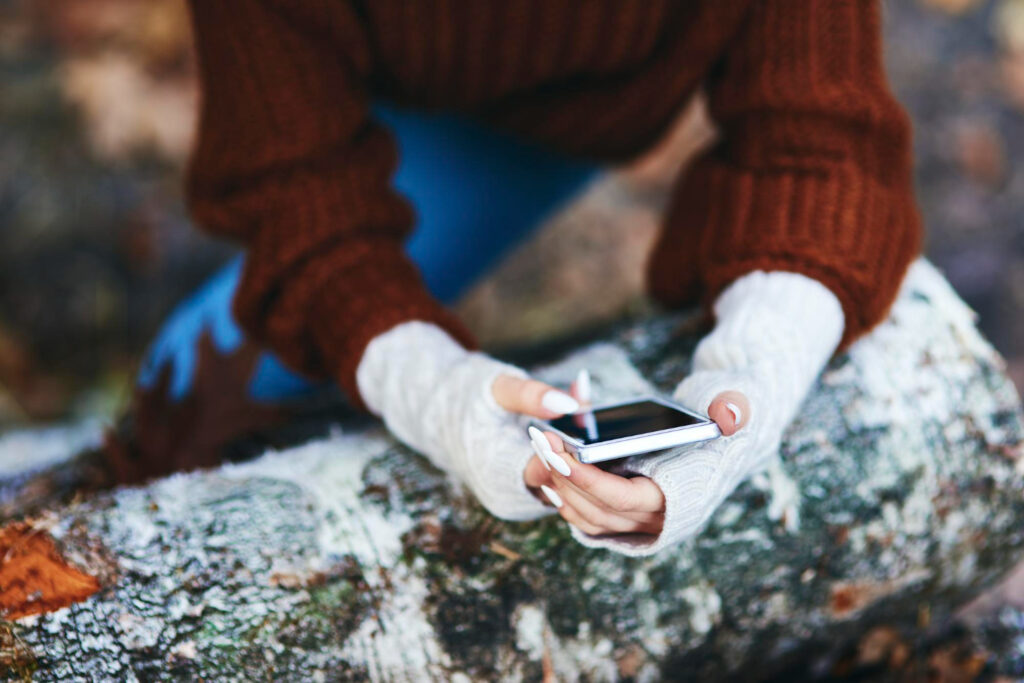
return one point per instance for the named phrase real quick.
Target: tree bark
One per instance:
(897, 496)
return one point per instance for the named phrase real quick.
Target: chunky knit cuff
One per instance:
(389, 293)
(753, 223)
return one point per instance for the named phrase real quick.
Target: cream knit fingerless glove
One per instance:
(435, 397)
(773, 336)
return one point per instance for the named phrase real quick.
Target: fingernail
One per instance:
(555, 499)
(543, 458)
(735, 410)
(560, 465)
(543, 446)
(540, 442)
(560, 403)
(583, 385)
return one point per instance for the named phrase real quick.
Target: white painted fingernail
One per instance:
(558, 463)
(543, 458)
(541, 444)
(555, 499)
(735, 410)
(558, 402)
(583, 388)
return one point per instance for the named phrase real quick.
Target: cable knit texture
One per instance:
(436, 398)
(773, 336)
(811, 174)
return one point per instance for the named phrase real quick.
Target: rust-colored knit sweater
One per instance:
(811, 175)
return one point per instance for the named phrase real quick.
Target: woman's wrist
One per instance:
(402, 351)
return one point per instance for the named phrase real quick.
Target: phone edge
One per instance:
(649, 443)
(619, 447)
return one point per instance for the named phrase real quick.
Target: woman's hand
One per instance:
(461, 410)
(773, 334)
(598, 502)
(594, 501)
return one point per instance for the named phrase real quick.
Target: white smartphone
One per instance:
(640, 425)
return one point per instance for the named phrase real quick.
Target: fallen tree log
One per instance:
(898, 497)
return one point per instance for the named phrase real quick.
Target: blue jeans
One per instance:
(476, 193)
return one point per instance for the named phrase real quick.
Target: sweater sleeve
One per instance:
(289, 162)
(812, 171)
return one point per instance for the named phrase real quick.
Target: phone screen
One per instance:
(619, 422)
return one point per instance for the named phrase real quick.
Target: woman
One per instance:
(797, 227)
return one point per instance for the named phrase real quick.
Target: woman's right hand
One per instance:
(462, 410)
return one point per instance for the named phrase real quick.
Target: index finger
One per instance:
(532, 397)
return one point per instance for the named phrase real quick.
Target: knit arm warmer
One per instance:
(774, 334)
(289, 163)
(812, 173)
(436, 397)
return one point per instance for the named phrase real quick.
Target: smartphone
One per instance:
(619, 430)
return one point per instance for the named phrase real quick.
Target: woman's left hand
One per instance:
(595, 501)
(599, 502)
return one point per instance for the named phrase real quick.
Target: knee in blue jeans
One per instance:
(208, 311)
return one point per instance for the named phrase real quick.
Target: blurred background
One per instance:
(97, 106)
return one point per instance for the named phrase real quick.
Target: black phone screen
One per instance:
(619, 422)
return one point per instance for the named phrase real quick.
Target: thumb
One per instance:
(730, 410)
(532, 397)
